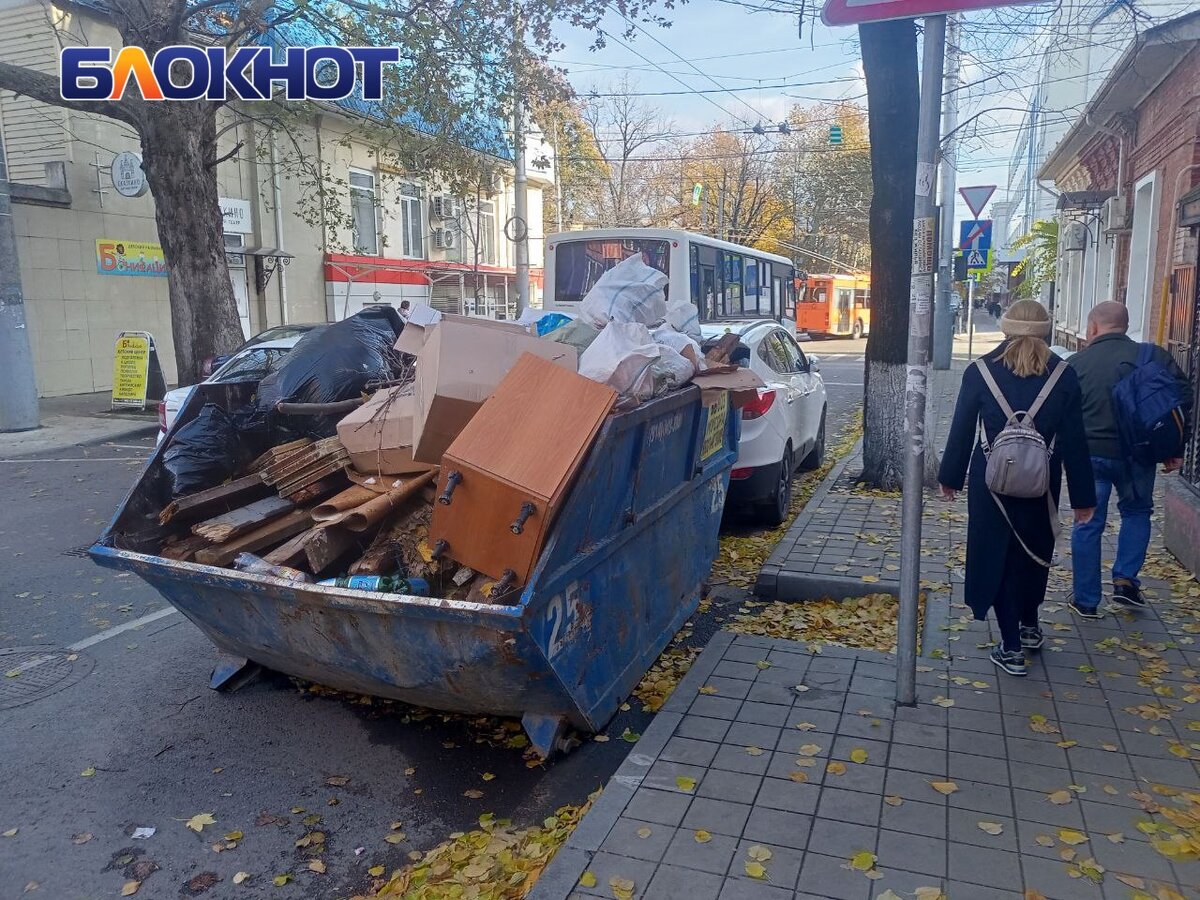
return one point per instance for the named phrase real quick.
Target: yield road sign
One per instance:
(975, 234)
(977, 197)
(855, 12)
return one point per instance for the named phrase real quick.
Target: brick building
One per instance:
(1129, 216)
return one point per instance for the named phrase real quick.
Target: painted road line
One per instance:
(79, 459)
(121, 629)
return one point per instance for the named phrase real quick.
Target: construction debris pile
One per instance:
(427, 457)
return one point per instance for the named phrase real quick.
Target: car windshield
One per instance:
(253, 365)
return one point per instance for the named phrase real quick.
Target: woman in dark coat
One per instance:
(1002, 573)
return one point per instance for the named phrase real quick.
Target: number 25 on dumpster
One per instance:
(561, 619)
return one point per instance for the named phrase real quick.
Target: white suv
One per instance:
(785, 427)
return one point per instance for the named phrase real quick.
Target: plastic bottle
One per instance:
(387, 584)
(256, 565)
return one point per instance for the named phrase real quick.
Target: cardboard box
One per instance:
(741, 384)
(424, 319)
(379, 434)
(459, 367)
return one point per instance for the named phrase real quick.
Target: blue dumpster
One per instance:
(621, 571)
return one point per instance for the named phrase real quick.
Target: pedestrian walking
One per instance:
(1109, 357)
(1010, 539)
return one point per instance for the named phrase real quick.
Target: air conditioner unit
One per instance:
(445, 207)
(1115, 209)
(1074, 236)
(445, 238)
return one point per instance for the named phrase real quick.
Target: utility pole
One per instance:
(943, 318)
(520, 219)
(18, 387)
(924, 263)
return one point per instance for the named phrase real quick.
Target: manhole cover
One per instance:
(31, 673)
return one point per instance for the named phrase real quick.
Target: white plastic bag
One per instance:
(630, 291)
(671, 370)
(622, 357)
(682, 315)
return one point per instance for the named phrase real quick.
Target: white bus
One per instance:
(723, 280)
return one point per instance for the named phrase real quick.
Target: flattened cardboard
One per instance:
(741, 383)
(418, 328)
(459, 367)
(379, 434)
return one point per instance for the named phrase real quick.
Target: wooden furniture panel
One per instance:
(524, 446)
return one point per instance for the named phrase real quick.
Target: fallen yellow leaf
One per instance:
(944, 787)
(799, 776)
(755, 751)
(858, 755)
(893, 800)
(281, 880)
(644, 832)
(991, 827)
(836, 768)
(759, 853)
(755, 870)
(198, 821)
(1072, 837)
(1116, 837)
(315, 865)
(685, 783)
(472, 794)
(809, 750)
(376, 871)
(240, 877)
(702, 836)
(863, 861)
(708, 689)
(337, 780)
(587, 879)
(130, 888)
(1059, 798)
(88, 772)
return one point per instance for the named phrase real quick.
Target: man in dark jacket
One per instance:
(1110, 355)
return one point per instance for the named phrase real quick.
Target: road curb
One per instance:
(772, 576)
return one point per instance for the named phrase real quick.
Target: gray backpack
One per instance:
(1018, 460)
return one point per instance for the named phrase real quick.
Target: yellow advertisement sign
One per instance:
(118, 257)
(131, 369)
(714, 429)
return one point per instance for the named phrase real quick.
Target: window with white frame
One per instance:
(364, 212)
(485, 227)
(412, 222)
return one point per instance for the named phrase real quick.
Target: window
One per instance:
(364, 213)
(412, 222)
(862, 298)
(579, 264)
(774, 352)
(485, 224)
(750, 286)
(733, 283)
(799, 360)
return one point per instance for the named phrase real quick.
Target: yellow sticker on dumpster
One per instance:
(714, 430)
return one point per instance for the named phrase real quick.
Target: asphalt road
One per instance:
(126, 733)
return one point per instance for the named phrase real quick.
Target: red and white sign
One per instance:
(855, 12)
(977, 197)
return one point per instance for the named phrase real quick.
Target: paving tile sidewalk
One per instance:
(1055, 777)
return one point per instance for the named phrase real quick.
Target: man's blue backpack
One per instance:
(1149, 408)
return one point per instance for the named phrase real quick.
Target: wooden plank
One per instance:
(265, 536)
(202, 503)
(229, 525)
(185, 549)
(279, 452)
(326, 545)
(316, 472)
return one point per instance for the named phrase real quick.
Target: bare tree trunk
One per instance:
(179, 152)
(889, 51)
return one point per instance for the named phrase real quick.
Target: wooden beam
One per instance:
(223, 496)
(183, 550)
(266, 536)
(229, 525)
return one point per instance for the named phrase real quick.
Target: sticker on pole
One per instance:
(977, 197)
(855, 12)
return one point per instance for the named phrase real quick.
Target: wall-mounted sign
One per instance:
(127, 175)
(236, 215)
(116, 257)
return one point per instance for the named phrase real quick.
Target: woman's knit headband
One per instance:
(1013, 328)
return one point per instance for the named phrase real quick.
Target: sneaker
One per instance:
(1128, 594)
(1032, 637)
(1084, 612)
(1011, 661)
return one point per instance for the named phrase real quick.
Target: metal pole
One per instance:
(924, 262)
(970, 319)
(18, 393)
(943, 317)
(520, 225)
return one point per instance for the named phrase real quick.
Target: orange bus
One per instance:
(834, 305)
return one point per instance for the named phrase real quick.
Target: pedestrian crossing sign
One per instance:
(979, 260)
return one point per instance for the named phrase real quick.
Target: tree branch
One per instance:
(224, 156)
(45, 88)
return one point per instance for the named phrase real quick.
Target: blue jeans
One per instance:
(1135, 500)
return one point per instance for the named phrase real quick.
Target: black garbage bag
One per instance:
(330, 365)
(204, 452)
